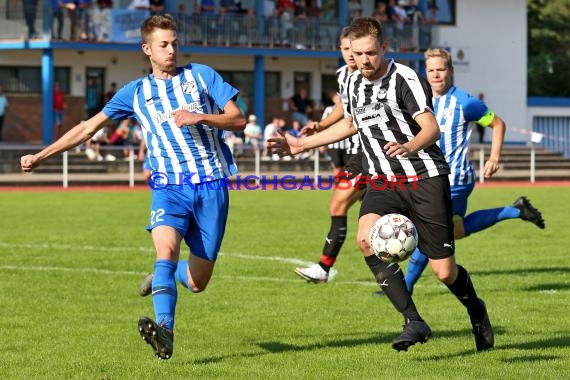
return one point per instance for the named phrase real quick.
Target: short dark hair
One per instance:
(366, 26)
(165, 22)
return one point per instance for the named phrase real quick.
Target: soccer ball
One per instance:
(393, 238)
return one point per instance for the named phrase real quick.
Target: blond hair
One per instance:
(439, 53)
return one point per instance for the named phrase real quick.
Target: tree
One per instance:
(548, 47)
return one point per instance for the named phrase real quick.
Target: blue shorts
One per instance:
(199, 213)
(459, 196)
(58, 117)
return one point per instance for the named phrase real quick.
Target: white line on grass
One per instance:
(67, 247)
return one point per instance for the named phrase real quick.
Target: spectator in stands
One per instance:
(431, 16)
(30, 8)
(253, 133)
(58, 107)
(3, 108)
(286, 18)
(269, 9)
(127, 134)
(71, 8)
(156, 6)
(295, 129)
(354, 9)
(142, 5)
(109, 94)
(92, 104)
(413, 12)
(84, 19)
(206, 7)
(105, 4)
(93, 146)
(380, 13)
(313, 8)
(234, 142)
(300, 105)
(57, 7)
(270, 131)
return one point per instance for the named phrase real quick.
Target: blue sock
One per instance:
(416, 265)
(164, 293)
(482, 219)
(181, 274)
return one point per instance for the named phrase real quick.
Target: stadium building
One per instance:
(268, 57)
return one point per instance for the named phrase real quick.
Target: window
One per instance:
(28, 79)
(243, 80)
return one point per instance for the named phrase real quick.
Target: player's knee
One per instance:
(445, 275)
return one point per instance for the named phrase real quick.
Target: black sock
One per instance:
(465, 292)
(391, 280)
(334, 242)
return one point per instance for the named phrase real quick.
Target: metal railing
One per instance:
(235, 30)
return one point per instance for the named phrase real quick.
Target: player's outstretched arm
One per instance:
(231, 119)
(335, 116)
(288, 145)
(75, 136)
(492, 164)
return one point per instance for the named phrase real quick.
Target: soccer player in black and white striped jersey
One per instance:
(347, 161)
(391, 110)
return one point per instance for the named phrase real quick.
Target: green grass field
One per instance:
(71, 261)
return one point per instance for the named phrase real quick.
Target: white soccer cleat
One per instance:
(314, 273)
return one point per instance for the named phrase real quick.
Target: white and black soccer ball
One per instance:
(393, 238)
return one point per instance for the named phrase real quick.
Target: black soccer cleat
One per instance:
(414, 332)
(145, 287)
(160, 338)
(483, 331)
(529, 212)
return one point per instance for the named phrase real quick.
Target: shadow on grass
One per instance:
(541, 344)
(548, 287)
(277, 347)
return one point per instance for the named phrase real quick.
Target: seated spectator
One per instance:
(253, 133)
(295, 129)
(301, 106)
(271, 130)
(234, 142)
(93, 146)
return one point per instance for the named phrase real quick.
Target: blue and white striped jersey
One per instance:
(195, 153)
(457, 112)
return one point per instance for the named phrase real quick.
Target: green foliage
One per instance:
(71, 261)
(548, 47)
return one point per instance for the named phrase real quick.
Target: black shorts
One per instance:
(426, 202)
(339, 157)
(353, 172)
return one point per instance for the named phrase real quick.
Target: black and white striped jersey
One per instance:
(384, 110)
(351, 144)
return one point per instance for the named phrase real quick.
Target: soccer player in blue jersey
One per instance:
(457, 113)
(183, 112)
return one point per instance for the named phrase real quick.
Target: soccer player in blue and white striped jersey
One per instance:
(183, 112)
(457, 113)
